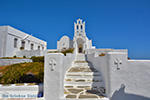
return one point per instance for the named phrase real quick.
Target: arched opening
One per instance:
(80, 48)
(77, 27)
(81, 26)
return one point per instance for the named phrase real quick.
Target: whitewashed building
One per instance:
(80, 39)
(14, 42)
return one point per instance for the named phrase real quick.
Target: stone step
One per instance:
(80, 57)
(82, 80)
(81, 69)
(84, 77)
(80, 61)
(80, 65)
(88, 96)
(83, 83)
(85, 97)
(82, 87)
(104, 98)
(83, 74)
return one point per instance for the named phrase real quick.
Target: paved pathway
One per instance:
(83, 81)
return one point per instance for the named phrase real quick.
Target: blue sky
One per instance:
(109, 23)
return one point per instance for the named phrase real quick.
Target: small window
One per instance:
(23, 44)
(32, 46)
(38, 47)
(15, 42)
(42, 48)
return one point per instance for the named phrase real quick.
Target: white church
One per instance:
(79, 41)
(93, 74)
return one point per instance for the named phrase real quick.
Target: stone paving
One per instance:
(83, 81)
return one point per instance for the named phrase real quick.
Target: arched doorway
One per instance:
(80, 48)
(80, 43)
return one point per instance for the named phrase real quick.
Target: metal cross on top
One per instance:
(117, 62)
(52, 64)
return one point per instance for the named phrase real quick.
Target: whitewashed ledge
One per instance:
(4, 62)
(19, 92)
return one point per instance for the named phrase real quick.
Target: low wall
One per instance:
(131, 81)
(99, 51)
(16, 91)
(56, 65)
(30, 53)
(4, 62)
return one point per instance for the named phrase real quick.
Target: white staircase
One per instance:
(80, 57)
(82, 81)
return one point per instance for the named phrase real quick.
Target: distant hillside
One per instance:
(22, 73)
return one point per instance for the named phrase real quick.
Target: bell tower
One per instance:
(80, 38)
(79, 28)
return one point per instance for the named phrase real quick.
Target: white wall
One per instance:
(54, 80)
(3, 38)
(101, 64)
(22, 35)
(131, 81)
(64, 42)
(4, 62)
(30, 53)
(8, 34)
(124, 79)
(23, 91)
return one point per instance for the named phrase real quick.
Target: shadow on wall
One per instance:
(98, 86)
(121, 95)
